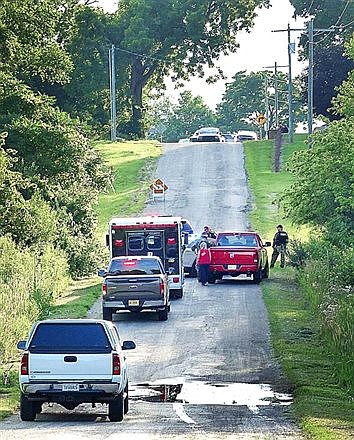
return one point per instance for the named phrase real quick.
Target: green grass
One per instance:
(321, 407)
(132, 164)
(267, 185)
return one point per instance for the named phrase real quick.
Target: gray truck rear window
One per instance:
(135, 267)
(70, 338)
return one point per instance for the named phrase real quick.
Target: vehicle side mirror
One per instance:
(128, 345)
(107, 240)
(267, 243)
(21, 345)
(102, 273)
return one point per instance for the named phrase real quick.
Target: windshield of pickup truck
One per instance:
(70, 338)
(135, 267)
(246, 240)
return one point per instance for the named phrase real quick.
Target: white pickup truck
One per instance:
(73, 361)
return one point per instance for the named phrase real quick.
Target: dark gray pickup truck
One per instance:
(135, 283)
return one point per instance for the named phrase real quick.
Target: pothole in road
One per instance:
(206, 393)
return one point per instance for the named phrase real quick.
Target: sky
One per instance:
(258, 49)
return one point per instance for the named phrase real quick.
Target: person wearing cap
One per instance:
(280, 241)
(208, 233)
(203, 262)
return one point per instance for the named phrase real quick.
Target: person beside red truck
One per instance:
(203, 262)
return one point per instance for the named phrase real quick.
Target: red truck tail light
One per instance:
(255, 259)
(116, 365)
(104, 289)
(24, 364)
(162, 288)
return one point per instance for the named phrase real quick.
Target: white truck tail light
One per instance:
(116, 364)
(162, 288)
(24, 364)
(104, 289)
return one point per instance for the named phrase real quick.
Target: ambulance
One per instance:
(151, 235)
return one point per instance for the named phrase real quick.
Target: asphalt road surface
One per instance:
(207, 372)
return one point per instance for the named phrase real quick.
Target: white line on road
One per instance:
(178, 407)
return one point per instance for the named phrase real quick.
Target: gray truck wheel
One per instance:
(178, 293)
(163, 314)
(27, 409)
(116, 409)
(107, 314)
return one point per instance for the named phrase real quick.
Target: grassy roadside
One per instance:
(322, 409)
(132, 165)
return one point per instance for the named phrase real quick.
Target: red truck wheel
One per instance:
(257, 276)
(211, 278)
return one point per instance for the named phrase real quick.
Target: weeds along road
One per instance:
(207, 372)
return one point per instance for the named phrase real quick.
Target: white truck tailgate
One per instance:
(48, 366)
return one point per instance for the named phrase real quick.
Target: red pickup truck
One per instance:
(237, 253)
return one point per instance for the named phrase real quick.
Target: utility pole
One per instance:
(112, 89)
(310, 30)
(276, 91)
(310, 81)
(267, 107)
(291, 49)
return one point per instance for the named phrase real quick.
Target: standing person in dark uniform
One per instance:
(280, 241)
(203, 262)
(208, 232)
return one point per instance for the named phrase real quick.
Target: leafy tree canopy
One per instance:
(344, 102)
(245, 98)
(181, 37)
(181, 120)
(30, 43)
(327, 13)
(57, 164)
(331, 68)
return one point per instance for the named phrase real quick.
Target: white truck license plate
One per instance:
(71, 387)
(133, 302)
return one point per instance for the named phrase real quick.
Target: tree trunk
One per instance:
(140, 75)
(136, 91)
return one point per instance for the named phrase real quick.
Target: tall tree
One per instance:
(322, 193)
(30, 46)
(245, 98)
(333, 24)
(181, 120)
(178, 37)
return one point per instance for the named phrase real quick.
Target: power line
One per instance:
(309, 10)
(336, 23)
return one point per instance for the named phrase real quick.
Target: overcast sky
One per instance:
(258, 49)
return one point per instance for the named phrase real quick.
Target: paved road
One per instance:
(207, 372)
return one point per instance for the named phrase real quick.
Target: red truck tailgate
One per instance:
(233, 255)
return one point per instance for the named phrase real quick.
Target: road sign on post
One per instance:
(158, 188)
(261, 119)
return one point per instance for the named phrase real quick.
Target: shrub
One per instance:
(29, 283)
(326, 276)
